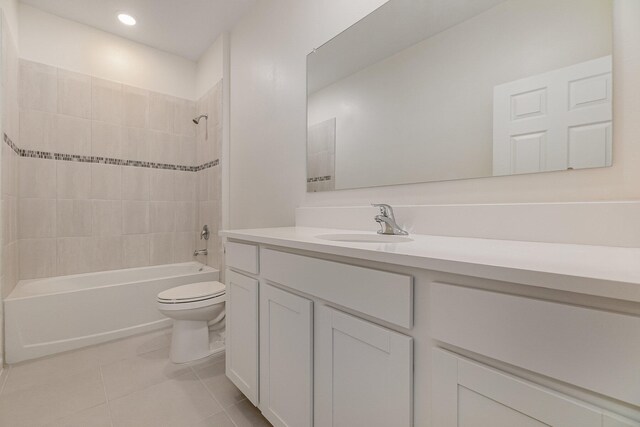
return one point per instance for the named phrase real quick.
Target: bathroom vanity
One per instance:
(338, 328)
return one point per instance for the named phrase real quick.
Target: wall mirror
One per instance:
(434, 90)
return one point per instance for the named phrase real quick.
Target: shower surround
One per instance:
(112, 176)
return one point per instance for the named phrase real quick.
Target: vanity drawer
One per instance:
(593, 349)
(386, 296)
(242, 256)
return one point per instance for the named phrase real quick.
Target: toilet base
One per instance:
(190, 341)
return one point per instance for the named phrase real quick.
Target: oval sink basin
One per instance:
(365, 238)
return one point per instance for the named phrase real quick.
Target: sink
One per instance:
(365, 238)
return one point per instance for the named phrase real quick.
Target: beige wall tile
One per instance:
(135, 217)
(106, 140)
(161, 248)
(187, 151)
(73, 180)
(72, 135)
(107, 253)
(186, 213)
(135, 250)
(161, 183)
(135, 183)
(9, 171)
(163, 147)
(74, 218)
(184, 245)
(184, 113)
(106, 101)
(37, 258)
(74, 255)
(161, 217)
(106, 218)
(106, 181)
(135, 144)
(136, 107)
(37, 130)
(37, 178)
(37, 218)
(213, 175)
(203, 185)
(161, 111)
(38, 86)
(74, 94)
(185, 186)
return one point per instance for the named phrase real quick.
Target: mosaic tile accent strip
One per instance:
(319, 178)
(104, 160)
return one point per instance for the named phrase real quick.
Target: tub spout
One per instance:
(200, 252)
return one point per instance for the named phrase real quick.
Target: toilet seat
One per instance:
(191, 293)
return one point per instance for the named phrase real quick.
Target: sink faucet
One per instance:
(387, 220)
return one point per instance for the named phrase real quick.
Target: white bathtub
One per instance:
(47, 316)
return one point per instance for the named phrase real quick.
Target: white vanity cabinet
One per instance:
(320, 363)
(470, 394)
(286, 357)
(242, 333)
(363, 372)
(333, 340)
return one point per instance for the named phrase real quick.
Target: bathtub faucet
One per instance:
(200, 252)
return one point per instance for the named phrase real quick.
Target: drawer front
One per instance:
(387, 296)
(242, 256)
(593, 349)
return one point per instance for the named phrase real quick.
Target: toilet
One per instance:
(193, 308)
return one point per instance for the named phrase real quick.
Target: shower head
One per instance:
(197, 119)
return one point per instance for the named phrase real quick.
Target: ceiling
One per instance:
(182, 27)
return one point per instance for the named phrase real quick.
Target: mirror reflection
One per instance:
(433, 90)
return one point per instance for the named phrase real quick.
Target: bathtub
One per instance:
(48, 316)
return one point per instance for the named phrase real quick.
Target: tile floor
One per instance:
(129, 382)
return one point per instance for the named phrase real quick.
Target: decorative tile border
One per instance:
(319, 178)
(104, 160)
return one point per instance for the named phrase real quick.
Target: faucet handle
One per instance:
(385, 209)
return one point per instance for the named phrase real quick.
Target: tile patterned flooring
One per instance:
(129, 382)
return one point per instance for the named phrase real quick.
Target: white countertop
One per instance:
(593, 270)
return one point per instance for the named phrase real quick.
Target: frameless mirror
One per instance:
(433, 90)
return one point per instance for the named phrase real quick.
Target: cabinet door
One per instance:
(286, 361)
(242, 333)
(467, 394)
(363, 373)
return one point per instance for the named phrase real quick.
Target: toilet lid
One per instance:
(192, 292)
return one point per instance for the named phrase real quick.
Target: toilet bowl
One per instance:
(192, 307)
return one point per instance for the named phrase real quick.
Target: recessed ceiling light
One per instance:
(127, 19)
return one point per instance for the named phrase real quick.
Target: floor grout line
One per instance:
(4, 380)
(106, 397)
(224, 410)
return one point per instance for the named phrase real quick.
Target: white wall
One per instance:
(62, 43)
(426, 113)
(10, 10)
(268, 103)
(210, 67)
(268, 122)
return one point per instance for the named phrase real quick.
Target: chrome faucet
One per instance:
(204, 234)
(200, 252)
(387, 220)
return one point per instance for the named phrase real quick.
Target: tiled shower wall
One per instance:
(208, 147)
(108, 175)
(9, 165)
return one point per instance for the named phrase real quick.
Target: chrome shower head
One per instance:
(197, 119)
